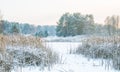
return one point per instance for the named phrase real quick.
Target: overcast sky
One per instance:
(42, 12)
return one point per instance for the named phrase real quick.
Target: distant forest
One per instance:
(28, 29)
(68, 25)
(79, 24)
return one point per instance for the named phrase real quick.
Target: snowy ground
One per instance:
(66, 39)
(70, 62)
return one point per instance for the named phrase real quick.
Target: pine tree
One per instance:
(15, 30)
(1, 24)
(75, 24)
(45, 34)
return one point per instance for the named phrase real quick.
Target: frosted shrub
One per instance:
(116, 58)
(102, 47)
(84, 49)
(94, 51)
(2, 45)
(4, 67)
(5, 59)
(24, 51)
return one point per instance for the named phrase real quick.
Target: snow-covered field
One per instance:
(70, 62)
(66, 39)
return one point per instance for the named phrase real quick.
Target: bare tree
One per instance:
(112, 24)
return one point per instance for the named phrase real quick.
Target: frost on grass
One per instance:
(20, 51)
(102, 47)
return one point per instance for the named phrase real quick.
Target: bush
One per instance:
(116, 58)
(4, 67)
(27, 51)
(102, 47)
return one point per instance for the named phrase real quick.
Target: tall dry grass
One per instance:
(18, 40)
(27, 50)
(5, 58)
(2, 44)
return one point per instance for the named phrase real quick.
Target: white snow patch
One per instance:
(77, 38)
(70, 62)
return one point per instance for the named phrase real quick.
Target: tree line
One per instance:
(78, 24)
(10, 28)
(68, 25)
(28, 29)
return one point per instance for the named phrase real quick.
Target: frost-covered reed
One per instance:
(20, 51)
(102, 47)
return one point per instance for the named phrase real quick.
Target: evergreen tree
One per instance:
(15, 30)
(39, 34)
(46, 33)
(75, 24)
(42, 34)
(1, 24)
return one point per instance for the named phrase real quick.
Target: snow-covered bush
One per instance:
(26, 51)
(116, 58)
(5, 58)
(102, 47)
(4, 67)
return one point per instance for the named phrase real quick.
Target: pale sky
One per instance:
(42, 12)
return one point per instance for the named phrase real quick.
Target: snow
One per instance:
(77, 38)
(70, 62)
(62, 47)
